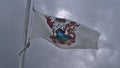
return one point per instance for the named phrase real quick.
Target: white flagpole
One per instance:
(25, 36)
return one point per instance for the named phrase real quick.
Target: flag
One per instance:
(63, 33)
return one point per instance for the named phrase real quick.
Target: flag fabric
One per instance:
(63, 33)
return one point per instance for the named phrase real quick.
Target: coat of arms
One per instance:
(63, 31)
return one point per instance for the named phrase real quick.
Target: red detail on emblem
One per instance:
(70, 30)
(50, 23)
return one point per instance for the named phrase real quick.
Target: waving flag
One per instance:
(63, 33)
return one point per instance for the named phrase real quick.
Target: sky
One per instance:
(101, 15)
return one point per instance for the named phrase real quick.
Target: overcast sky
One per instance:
(101, 15)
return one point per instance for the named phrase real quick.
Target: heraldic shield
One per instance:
(63, 31)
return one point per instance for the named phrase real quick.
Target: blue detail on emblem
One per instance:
(61, 35)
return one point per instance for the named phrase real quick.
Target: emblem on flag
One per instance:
(63, 31)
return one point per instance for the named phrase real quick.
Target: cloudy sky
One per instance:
(101, 15)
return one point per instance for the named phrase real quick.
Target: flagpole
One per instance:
(25, 35)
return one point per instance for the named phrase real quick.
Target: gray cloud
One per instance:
(11, 29)
(101, 15)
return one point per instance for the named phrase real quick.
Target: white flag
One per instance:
(63, 33)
